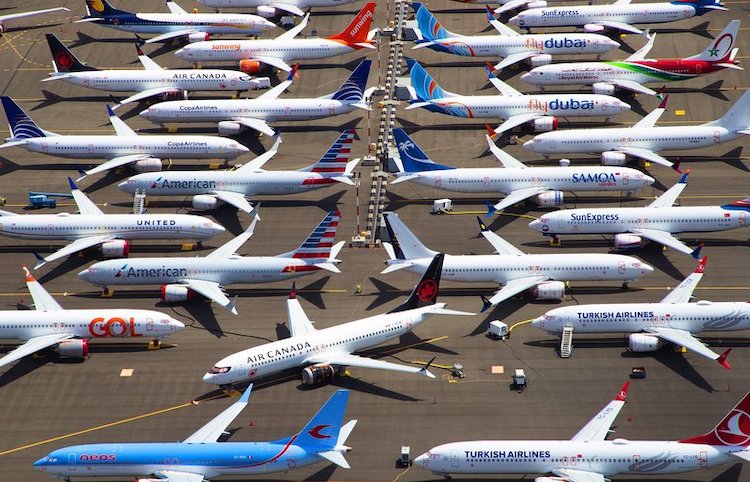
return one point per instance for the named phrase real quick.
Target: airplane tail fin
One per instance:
(63, 59)
(356, 34)
(412, 157)
(101, 8)
(405, 244)
(319, 244)
(739, 205)
(21, 125)
(737, 118)
(354, 87)
(732, 430)
(720, 49)
(423, 84)
(429, 25)
(426, 291)
(325, 432)
(702, 6)
(335, 159)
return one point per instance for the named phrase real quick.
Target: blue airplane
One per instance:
(200, 457)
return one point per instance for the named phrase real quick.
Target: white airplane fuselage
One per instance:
(139, 80)
(211, 23)
(587, 73)
(642, 13)
(287, 50)
(301, 4)
(503, 45)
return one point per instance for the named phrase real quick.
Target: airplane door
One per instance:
(72, 458)
(742, 218)
(486, 181)
(702, 459)
(438, 182)
(717, 136)
(454, 458)
(621, 267)
(291, 463)
(50, 229)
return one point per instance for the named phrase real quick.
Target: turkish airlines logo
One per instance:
(733, 430)
(315, 432)
(427, 290)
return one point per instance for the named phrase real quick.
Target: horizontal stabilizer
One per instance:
(396, 267)
(328, 267)
(335, 457)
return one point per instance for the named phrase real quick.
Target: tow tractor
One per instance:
(38, 200)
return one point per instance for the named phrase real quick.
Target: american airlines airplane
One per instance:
(543, 185)
(202, 456)
(211, 189)
(544, 274)
(326, 351)
(13, 16)
(126, 147)
(540, 110)
(184, 278)
(274, 8)
(631, 73)
(67, 332)
(278, 52)
(234, 116)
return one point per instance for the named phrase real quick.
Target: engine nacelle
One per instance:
(626, 242)
(2, 28)
(549, 290)
(147, 165)
(206, 202)
(544, 124)
(317, 374)
(613, 158)
(173, 293)
(642, 342)
(593, 28)
(250, 66)
(230, 128)
(537, 4)
(603, 88)
(550, 199)
(265, 11)
(179, 95)
(199, 37)
(118, 248)
(73, 348)
(541, 59)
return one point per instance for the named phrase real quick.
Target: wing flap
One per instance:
(597, 428)
(646, 155)
(625, 27)
(683, 291)
(515, 58)
(668, 198)
(293, 32)
(518, 196)
(572, 475)
(178, 476)
(516, 121)
(85, 205)
(632, 86)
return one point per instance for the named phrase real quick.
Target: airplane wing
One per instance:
(654, 115)
(178, 476)
(212, 291)
(293, 9)
(147, 62)
(171, 35)
(74, 247)
(632, 86)
(121, 128)
(274, 62)
(279, 89)
(43, 301)
(684, 338)
(515, 58)
(113, 163)
(145, 94)
(13, 16)
(516, 121)
(85, 205)
(499, 26)
(349, 360)
(501, 86)
(501, 246)
(33, 346)
(175, 9)
(506, 159)
(597, 428)
(518, 196)
(210, 432)
(683, 291)
(512, 288)
(625, 27)
(255, 124)
(236, 199)
(230, 247)
(259, 161)
(669, 196)
(663, 237)
(646, 155)
(297, 320)
(293, 32)
(572, 475)
(641, 53)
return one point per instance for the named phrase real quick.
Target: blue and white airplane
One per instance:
(202, 457)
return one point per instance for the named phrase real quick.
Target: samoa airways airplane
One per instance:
(202, 457)
(13, 16)
(274, 8)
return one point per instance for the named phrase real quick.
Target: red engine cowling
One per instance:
(230, 128)
(603, 88)
(147, 165)
(317, 374)
(544, 124)
(73, 348)
(206, 202)
(549, 290)
(593, 28)
(199, 37)
(642, 342)
(541, 59)
(265, 12)
(550, 199)
(250, 66)
(173, 293)
(119, 248)
(627, 242)
(613, 158)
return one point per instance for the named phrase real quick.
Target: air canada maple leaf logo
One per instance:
(427, 290)
(64, 60)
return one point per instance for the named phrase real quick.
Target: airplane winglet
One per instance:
(486, 305)
(489, 68)
(40, 261)
(246, 395)
(293, 292)
(684, 178)
(723, 359)
(72, 183)
(663, 104)
(490, 13)
(140, 40)
(138, 48)
(696, 253)
(425, 370)
(490, 209)
(110, 112)
(701, 264)
(482, 225)
(623, 392)
(27, 273)
(490, 131)
(676, 166)
(293, 73)
(232, 306)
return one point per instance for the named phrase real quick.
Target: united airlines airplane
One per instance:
(274, 8)
(13, 16)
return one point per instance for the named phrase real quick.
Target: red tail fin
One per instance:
(356, 32)
(733, 430)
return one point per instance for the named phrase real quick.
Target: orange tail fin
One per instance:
(356, 32)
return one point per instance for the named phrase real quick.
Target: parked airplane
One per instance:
(195, 27)
(184, 278)
(13, 16)
(153, 81)
(211, 189)
(509, 44)
(507, 5)
(202, 457)
(277, 52)
(324, 352)
(540, 110)
(274, 8)
(543, 185)
(234, 116)
(544, 274)
(636, 70)
(126, 147)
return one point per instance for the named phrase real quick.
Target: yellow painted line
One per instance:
(520, 323)
(402, 473)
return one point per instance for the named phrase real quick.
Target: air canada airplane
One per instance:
(13, 16)
(274, 8)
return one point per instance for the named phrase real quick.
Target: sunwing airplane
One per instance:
(544, 274)
(543, 185)
(126, 147)
(202, 457)
(234, 116)
(540, 110)
(274, 8)
(184, 278)
(631, 73)
(324, 352)
(195, 27)
(211, 189)
(277, 52)
(13, 16)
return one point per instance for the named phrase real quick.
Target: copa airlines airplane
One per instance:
(324, 352)
(543, 185)
(184, 278)
(202, 457)
(126, 147)
(540, 110)
(234, 116)
(517, 271)
(510, 45)
(631, 73)
(211, 189)
(13, 16)
(285, 48)
(274, 8)
(195, 27)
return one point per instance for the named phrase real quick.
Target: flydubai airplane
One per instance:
(153, 81)
(543, 185)
(324, 352)
(631, 73)
(13, 16)
(539, 110)
(184, 278)
(285, 48)
(657, 222)
(126, 147)
(211, 189)
(67, 332)
(510, 45)
(544, 274)
(274, 8)
(643, 140)
(92, 227)
(202, 457)
(234, 116)
(195, 27)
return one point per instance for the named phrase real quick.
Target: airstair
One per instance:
(566, 342)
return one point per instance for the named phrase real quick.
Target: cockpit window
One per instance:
(217, 370)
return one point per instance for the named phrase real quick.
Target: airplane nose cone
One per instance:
(648, 180)
(514, 20)
(176, 324)
(218, 228)
(526, 76)
(535, 224)
(85, 274)
(614, 43)
(268, 24)
(126, 186)
(146, 113)
(624, 106)
(420, 460)
(181, 53)
(241, 148)
(647, 268)
(529, 145)
(41, 464)
(208, 378)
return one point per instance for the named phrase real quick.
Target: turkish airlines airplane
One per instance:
(126, 147)
(285, 48)
(631, 73)
(544, 274)
(540, 110)
(184, 278)
(326, 351)
(13, 16)
(274, 8)
(543, 185)
(67, 332)
(211, 189)
(234, 116)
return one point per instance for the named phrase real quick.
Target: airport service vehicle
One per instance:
(183, 278)
(630, 74)
(151, 82)
(544, 274)
(126, 147)
(277, 52)
(537, 49)
(13, 16)
(620, 15)
(202, 457)
(195, 27)
(67, 332)
(234, 116)
(274, 8)
(212, 189)
(545, 186)
(589, 457)
(324, 352)
(539, 110)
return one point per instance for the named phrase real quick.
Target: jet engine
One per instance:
(613, 158)
(199, 37)
(537, 4)
(541, 59)
(250, 66)
(118, 248)
(642, 342)
(549, 290)
(549, 199)
(316, 374)
(230, 128)
(179, 95)
(544, 124)
(147, 165)
(603, 88)
(593, 28)
(72, 348)
(172, 293)
(265, 11)
(206, 202)
(627, 242)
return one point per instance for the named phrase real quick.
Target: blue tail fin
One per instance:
(429, 26)
(322, 431)
(102, 8)
(337, 156)
(424, 85)
(21, 125)
(354, 87)
(412, 157)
